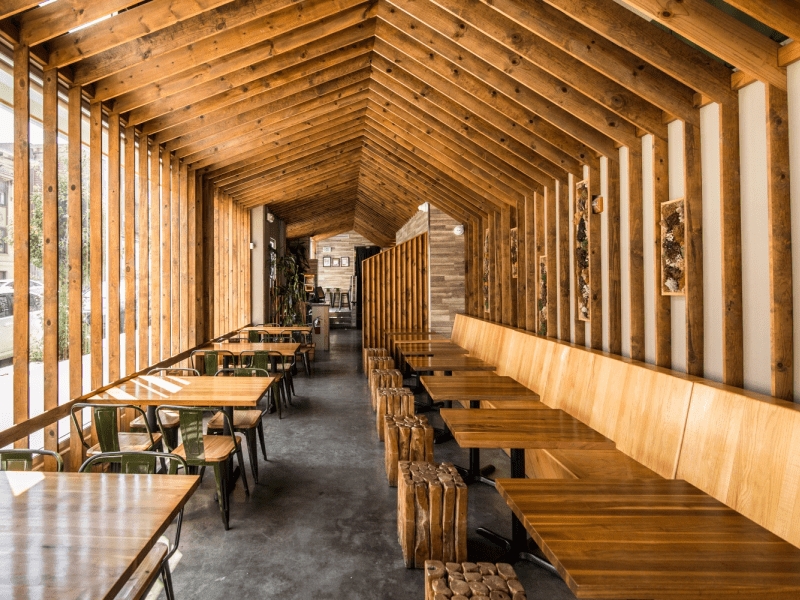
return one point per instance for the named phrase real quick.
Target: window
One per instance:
(3, 245)
(2, 198)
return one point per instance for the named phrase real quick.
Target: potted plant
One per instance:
(290, 294)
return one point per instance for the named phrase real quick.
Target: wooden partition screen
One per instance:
(395, 290)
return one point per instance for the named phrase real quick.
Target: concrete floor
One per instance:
(322, 521)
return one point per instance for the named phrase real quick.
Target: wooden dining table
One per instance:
(518, 430)
(651, 539)
(277, 330)
(81, 535)
(447, 363)
(285, 348)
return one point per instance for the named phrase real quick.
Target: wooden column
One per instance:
(22, 193)
(130, 250)
(550, 244)
(522, 268)
(612, 208)
(166, 252)
(564, 278)
(636, 264)
(114, 200)
(96, 241)
(75, 240)
(531, 263)
(50, 256)
(780, 244)
(155, 254)
(694, 250)
(541, 251)
(595, 263)
(663, 329)
(175, 255)
(185, 318)
(494, 309)
(505, 263)
(731, 212)
(144, 235)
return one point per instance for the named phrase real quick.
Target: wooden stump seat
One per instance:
(481, 580)
(383, 378)
(368, 353)
(406, 438)
(397, 402)
(431, 513)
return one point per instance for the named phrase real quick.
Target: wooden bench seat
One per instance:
(584, 464)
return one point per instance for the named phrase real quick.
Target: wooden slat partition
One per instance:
(395, 290)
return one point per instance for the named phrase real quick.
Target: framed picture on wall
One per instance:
(336, 262)
(345, 261)
(326, 248)
(326, 261)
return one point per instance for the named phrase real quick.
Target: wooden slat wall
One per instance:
(395, 290)
(159, 214)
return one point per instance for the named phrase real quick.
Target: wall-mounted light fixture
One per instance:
(252, 245)
(423, 207)
(270, 217)
(458, 230)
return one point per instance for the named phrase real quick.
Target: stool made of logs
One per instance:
(479, 581)
(431, 513)
(379, 362)
(407, 438)
(383, 378)
(368, 352)
(397, 402)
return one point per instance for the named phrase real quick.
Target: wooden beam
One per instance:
(144, 258)
(663, 304)
(693, 207)
(550, 245)
(564, 279)
(175, 254)
(636, 260)
(721, 34)
(781, 15)
(595, 263)
(155, 254)
(504, 242)
(130, 248)
(780, 245)
(612, 207)
(12, 7)
(112, 268)
(96, 241)
(184, 258)
(166, 253)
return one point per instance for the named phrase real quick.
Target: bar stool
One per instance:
(336, 299)
(344, 300)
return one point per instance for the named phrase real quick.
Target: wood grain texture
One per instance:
(693, 206)
(636, 258)
(623, 538)
(612, 208)
(663, 323)
(96, 242)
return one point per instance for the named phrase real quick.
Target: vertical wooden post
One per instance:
(531, 264)
(780, 244)
(564, 279)
(155, 254)
(114, 200)
(176, 202)
(541, 251)
(694, 250)
(522, 268)
(96, 240)
(144, 260)
(663, 329)
(550, 249)
(636, 264)
(612, 207)
(166, 251)
(74, 210)
(185, 245)
(595, 264)
(50, 256)
(22, 194)
(504, 241)
(130, 250)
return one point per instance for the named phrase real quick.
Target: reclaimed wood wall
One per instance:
(395, 284)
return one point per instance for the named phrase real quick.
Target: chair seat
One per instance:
(129, 442)
(242, 419)
(217, 448)
(144, 575)
(169, 419)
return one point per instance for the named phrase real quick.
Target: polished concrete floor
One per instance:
(321, 523)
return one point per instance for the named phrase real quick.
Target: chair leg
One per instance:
(222, 491)
(252, 451)
(261, 439)
(241, 469)
(166, 576)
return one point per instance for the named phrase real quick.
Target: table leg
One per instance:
(517, 547)
(475, 474)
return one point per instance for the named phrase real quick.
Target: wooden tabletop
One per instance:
(521, 429)
(429, 349)
(81, 535)
(151, 390)
(427, 342)
(277, 330)
(651, 538)
(286, 349)
(448, 362)
(459, 387)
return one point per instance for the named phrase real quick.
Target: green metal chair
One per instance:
(285, 365)
(145, 463)
(268, 360)
(256, 336)
(109, 437)
(245, 421)
(207, 361)
(199, 450)
(22, 459)
(170, 421)
(304, 339)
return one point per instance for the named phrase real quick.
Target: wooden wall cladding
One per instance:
(395, 284)
(583, 277)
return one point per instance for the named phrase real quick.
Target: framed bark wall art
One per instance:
(583, 276)
(673, 248)
(514, 253)
(542, 295)
(486, 271)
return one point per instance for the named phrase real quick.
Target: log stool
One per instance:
(397, 402)
(431, 513)
(388, 377)
(479, 581)
(368, 352)
(407, 439)
(379, 362)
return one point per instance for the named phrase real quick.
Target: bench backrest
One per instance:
(744, 449)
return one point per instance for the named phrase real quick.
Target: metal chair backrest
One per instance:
(244, 372)
(255, 336)
(22, 459)
(191, 426)
(286, 336)
(106, 424)
(136, 463)
(210, 360)
(173, 371)
(258, 359)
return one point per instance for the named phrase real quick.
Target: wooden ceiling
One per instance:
(345, 114)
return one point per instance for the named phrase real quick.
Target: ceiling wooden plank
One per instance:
(721, 34)
(12, 7)
(781, 15)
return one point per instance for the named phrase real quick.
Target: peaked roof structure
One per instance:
(345, 114)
